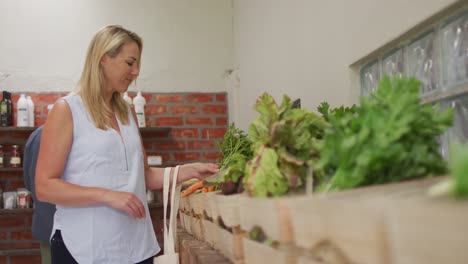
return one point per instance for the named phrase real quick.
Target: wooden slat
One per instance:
(428, 231)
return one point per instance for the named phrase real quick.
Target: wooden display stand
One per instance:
(392, 223)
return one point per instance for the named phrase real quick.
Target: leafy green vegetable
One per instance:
(391, 136)
(284, 140)
(459, 171)
(236, 149)
(262, 175)
(457, 184)
(339, 112)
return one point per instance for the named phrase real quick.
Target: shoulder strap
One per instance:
(169, 232)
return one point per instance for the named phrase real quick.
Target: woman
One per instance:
(92, 163)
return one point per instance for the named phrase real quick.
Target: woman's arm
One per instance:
(56, 142)
(154, 176)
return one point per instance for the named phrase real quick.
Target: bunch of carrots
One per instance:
(198, 186)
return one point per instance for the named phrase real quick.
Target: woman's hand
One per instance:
(197, 170)
(124, 201)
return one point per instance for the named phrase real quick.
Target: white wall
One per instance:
(304, 48)
(187, 43)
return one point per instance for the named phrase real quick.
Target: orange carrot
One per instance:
(212, 188)
(204, 189)
(192, 188)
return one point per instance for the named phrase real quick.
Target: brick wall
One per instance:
(198, 121)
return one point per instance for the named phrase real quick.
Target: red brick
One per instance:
(151, 134)
(48, 98)
(28, 220)
(25, 259)
(213, 132)
(17, 175)
(148, 144)
(20, 135)
(198, 98)
(148, 97)
(3, 260)
(212, 156)
(15, 184)
(170, 145)
(199, 121)
(186, 156)
(21, 234)
(9, 221)
(40, 121)
(15, 97)
(214, 109)
(169, 121)
(18, 245)
(45, 109)
(221, 121)
(201, 144)
(3, 235)
(155, 109)
(184, 109)
(148, 121)
(184, 132)
(221, 98)
(168, 98)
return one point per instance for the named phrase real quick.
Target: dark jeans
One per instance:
(61, 255)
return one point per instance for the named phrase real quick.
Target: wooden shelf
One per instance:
(16, 211)
(12, 128)
(11, 169)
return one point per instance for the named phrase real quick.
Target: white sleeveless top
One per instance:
(102, 158)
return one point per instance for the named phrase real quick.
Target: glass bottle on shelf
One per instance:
(2, 157)
(15, 157)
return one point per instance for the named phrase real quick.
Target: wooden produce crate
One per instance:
(255, 252)
(186, 222)
(270, 214)
(229, 243)
(227, 209)
(210, 233)
(184, 204)
(335, 230)
(210, 209)
(196, 203)
(350, 226)
(428, 231)
(197, 227)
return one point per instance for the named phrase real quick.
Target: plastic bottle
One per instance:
(139, 102)
(127, 98)
(22, 112)
(31, 117)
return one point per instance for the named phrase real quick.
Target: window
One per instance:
(438, 57)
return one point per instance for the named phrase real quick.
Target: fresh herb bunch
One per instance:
(324, 109)
(284, 141)
(390, 137)
(236, 149)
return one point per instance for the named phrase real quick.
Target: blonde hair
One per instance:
(107, 40)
